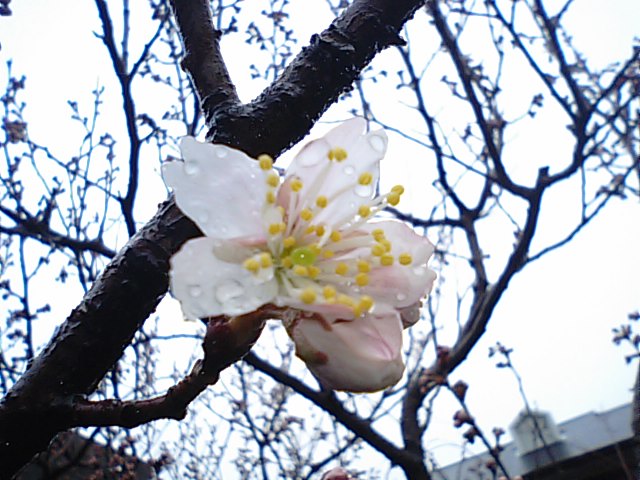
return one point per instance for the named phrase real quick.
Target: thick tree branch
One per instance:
(96, 333)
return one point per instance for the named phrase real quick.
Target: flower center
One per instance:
(303, 256)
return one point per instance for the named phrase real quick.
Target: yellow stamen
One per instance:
(338, 154)
(365, 179)
(306, 214)
(329, 292)
(286, 262)
(296, 185)
(342, 268)
(393, 198)
(364, 266)
(386, 260)
(346, 300)
(289, 242)
(265, 161)
(313, 271)
(322, 201)
(377, 250)
(366, 302)
(314, 248)
(399, 189)
(271, 197)
(362, 279)
(301, 270)
(320, 230)
(273, 180)
(265, 260)
(251, 264)
(405, 258)
(364, 211)
(276, 228)
(335, 236)
(378, 234)
(386, 244)
(308, 295)
(328, 253)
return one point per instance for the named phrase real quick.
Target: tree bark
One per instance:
(91, 340)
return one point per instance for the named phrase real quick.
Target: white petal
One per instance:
(206, 285)
(220, 188)
(339, 180)
(401, 285)
(360, 355)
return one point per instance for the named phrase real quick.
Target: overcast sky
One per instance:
(557, 315)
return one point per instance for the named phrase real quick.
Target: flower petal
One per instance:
(360, 355)
(401, 285)
(206, 285)
(219, 188)
(338, 180)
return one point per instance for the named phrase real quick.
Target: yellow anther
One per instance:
(265, 161)
(314, 248)
(320, 230)
(310, 229)
(386, 244)
(251, 264)
(271, 197)
(405, 258)
(386, 260)
(378, 234)
(301, 270)
(335, 236)
(366, 302)
(273, 180)
(322, 201)
(365, 178)
(306, 214)
(377, 250)
(308, 295)
(289, 242)
(286, 262)
(364, 211)
(276, 228)
(362, 279)
(329, 293)
(364, 266)
(393, 198)
(338, 154)
(346, 300)
(342, 268)
(296, 185)
(265, 260)
(328, 253)
(313, 271)
(399, 189)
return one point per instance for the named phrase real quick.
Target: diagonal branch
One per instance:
(96, 333)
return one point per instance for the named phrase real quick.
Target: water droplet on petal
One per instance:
(377, 143)
(195, 291)
(420, 270)
(349, 170)
(221, 152)
(401, 297)
(363, 190)
(191, 168)
(228, 291)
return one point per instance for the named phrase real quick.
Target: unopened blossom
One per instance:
(308, 241)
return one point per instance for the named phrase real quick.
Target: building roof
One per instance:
(586, 434)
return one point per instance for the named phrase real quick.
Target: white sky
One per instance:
(557, 314)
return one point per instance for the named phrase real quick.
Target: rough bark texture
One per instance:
(94, 336)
